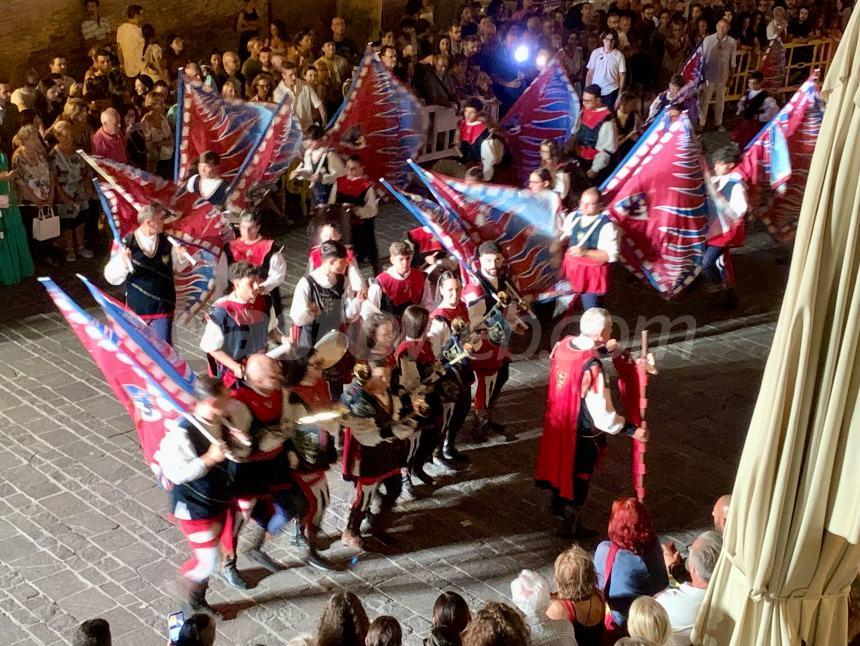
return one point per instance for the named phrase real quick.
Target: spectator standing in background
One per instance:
(607, 69)
(108, 140)
(718, 62)
(95, 29)
(343, 44)
(247, 26)
(130, 42)
(10, 118)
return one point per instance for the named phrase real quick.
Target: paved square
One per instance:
(82, 523)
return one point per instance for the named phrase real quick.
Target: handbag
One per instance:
(612, 631)
(46, 225)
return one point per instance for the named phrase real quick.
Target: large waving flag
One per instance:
(658, 198)
(151, 381)
(192, 221)
(206, 121)
(446, 227)
(548, 109)
(380, 121)
(693, 67)
(776, 162)
(269, 158)
(126, 189)
(520, 222)
(772, 66)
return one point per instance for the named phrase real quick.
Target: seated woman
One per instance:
(578, 600)
(631, 561)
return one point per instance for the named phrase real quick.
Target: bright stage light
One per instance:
(521, 54)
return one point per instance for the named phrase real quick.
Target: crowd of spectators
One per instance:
(123, 107)
(636, 597)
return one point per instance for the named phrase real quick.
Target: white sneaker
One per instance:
(83, 252)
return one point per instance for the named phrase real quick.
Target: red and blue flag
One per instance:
(772, 66)
(658, 198)
(519, 221)
(151, 381)
(775, 164)
(445, 226)
(207, 121)
(380, 121)
(548, 109)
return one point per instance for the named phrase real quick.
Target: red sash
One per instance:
(586, 275)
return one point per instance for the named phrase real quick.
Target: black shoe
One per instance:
(423, 476)
(451, 453)
(264, 560)
(231, 575)
(407, 491)
(383, 537)
(501, 429)
(197, 600)
(319, 562)
(557, 508)
(446, 463)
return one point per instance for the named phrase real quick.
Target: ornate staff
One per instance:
(645, 367)
(633, 384)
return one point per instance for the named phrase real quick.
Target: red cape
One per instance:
(557, 450)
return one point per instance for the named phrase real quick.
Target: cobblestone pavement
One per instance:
(83, 530)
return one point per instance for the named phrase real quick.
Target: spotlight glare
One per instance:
(521, 54)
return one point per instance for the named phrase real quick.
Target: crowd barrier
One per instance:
(800, 59)
(442, 130)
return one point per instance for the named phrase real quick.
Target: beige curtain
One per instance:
(791, 543)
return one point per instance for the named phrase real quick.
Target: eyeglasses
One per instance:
(609, 39)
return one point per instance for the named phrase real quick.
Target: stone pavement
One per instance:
(82, 524)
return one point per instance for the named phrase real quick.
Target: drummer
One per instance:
(320, 167)
(591, 243)
(357, 190)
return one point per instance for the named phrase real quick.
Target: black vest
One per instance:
(149, 289)
(331, 304)
(211, 493)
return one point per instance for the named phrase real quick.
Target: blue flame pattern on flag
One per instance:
(446, 227)
(520, 222)
(153, 388)
(380, 121)
(548, 109)
(658, 198)
(269, 158)
(207, 121)
(775, 164)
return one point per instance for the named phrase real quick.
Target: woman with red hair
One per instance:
(630, 564)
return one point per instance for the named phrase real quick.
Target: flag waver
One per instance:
(658, 198)
(776, 162)
(207, 121)
(154, 389)
(519, 221)
(380, 121)
(547, 110)
(772, 66)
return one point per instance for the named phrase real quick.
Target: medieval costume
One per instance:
(393, 292)
(264, 254)
(589, 279)
(596, 141)
(717, 264)
(360, 194)
(756, 108)
(578, 416)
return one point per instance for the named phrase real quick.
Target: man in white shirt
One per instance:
(146, 263)
(719, 52)
(95, 29)
(356, 190)
(596, 136)
(130, 42)
(607, 68)
(682, 603)
(305, 99)
(207, 183)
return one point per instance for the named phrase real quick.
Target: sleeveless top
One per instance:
(585, 635)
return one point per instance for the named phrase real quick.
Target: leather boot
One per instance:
(197, 598)
(231, 575)
(351, 536)
(259, 557)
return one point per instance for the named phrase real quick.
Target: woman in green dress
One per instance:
(15, 261)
